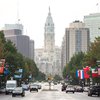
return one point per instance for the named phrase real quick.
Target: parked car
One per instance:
(94, 90)
(18, 91)
(25, 86)
(39, 86)
(2, 89)
(86, 89)
(33, 87)
(70, 88)
(10, 86)
(55, 83)
(63, 88)
(79, 89)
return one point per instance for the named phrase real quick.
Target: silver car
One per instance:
(18, 91)
(33, 87)
(70, 88)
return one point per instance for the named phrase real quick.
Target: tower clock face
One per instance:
(49, 30)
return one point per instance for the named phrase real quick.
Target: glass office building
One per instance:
(92, 22)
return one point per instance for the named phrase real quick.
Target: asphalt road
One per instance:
(50, 95)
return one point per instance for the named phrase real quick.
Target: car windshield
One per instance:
(70, 86)
(33, 85)
(10, 85)
(18, 88)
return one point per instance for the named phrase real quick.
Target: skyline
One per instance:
(33, 14)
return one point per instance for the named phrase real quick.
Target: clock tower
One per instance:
(49, 36)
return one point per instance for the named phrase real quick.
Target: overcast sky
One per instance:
(33, 14)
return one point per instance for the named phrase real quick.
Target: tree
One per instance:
(65, 71)
(75, 63)
(41, 76)
(93, 55)
(15, 60)
(57, 78)
(31, 67)
(2, 42)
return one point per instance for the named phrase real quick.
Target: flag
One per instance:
(6, 71)
(98, 71)
(86, 72)
(1, 70)
(81, 74)
(2, 62)
(94, 72)
(67, 77)
(18, 76)
(77, 73)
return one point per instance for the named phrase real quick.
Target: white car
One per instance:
(86, 89)
(18, 91)
(33, 87)
(70, 88)
(25, 86)
(10, 86)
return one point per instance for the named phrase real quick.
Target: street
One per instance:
(50, 95)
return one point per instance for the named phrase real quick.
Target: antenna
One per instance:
(18, 19)
(49, 9)
(97, 5)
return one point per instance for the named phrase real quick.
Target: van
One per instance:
(10, 86)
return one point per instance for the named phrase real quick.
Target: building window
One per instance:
(78, 41)
(48, 24)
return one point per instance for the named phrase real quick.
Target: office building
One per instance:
(76, 39)
(14, 32)
(92, 21)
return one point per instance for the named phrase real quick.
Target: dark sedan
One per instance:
(94, 90)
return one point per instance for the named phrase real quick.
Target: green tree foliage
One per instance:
(65, 71)
(40, 77)
(19, 60)
(95, 49)
(94, 53)
(2, 42)
(32, 68)
(10, 55)
(9, 47)
(1, 49)
(74, 64)
(80, 60)
(57, 78)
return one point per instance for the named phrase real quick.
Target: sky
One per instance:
(33, 14)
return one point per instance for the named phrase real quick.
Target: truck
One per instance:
(10, 86)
